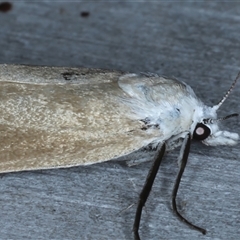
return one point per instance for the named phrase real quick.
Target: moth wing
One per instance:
(61, 117)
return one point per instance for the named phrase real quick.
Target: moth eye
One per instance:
(201, 132)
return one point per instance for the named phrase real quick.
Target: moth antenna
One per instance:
(209, 120)
(216, 107)
(228, 116)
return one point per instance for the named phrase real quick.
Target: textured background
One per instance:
(197, 42)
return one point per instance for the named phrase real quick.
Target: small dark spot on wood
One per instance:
(69, 75)
(85, 14)
(62, 10)
(5, 6)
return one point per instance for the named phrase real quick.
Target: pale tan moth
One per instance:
(54, 117)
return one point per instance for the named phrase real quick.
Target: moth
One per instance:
(54, 117)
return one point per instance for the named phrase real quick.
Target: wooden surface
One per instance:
(194, 42)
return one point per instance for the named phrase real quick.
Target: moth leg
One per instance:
(183, 157)
(147, 188)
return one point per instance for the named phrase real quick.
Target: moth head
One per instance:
(208, 131)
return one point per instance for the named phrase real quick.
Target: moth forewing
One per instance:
(61, 117)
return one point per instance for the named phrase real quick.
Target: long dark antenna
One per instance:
(183, 157)
(147, 188)
(216, 107)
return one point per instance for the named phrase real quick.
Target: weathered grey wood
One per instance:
(195, 42)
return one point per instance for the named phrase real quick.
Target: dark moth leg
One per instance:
(147, 188)
(183, 157)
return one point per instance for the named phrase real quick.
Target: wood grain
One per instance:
(195, 42)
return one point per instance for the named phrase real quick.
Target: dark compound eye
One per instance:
(201, 132)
